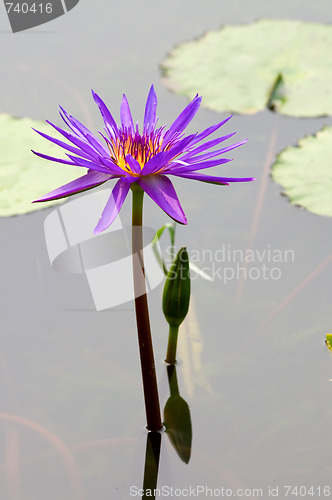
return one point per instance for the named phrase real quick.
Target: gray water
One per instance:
(253, 367)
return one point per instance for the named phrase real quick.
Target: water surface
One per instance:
(253, 365)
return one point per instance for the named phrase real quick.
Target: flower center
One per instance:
(141, 147)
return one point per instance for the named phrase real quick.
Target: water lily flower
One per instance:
(147, 158)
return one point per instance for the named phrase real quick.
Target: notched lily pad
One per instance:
(305, 172)
(23, 176)
(328, 341)
(282, 65)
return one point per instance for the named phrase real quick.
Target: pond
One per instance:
(253, 366)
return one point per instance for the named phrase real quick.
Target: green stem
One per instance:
(150, 388)
(172, 342)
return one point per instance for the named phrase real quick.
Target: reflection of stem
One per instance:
(173, 381)
(172, 343)
(152, 454)
(150, 388)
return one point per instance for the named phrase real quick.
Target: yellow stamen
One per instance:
(140, 148)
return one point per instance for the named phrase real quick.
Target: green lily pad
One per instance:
(282, 65)
(328, 341)
(23, 176)
(305, 172)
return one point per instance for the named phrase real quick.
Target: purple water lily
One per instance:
(146, 158)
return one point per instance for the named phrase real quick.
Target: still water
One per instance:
(254, 370)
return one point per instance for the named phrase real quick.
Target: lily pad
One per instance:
(305, 172)
(282, 65)
(328, 341)
(23, 176)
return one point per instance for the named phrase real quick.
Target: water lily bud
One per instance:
(177, 289)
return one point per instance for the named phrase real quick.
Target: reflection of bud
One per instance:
(177, 418)
(177, 289)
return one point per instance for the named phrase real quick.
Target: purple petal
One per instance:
(207, 145)
(183, 119)
(134, 165)
(80, 162)
(211, 179)
(113, 205)
(175, 168)
(97, 146)
(212, 154)
(79, 141)
(155, 163)
(150, 111)
(113, 167)
(211, 129)
(63, 145)
(81, 131)
(86, 151)
(162, 192)
(76, 126)
(125, 115)
(161, 159)
(87, 181)
(108, 118)
(51, 158)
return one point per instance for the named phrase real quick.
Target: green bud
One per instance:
(177, 289)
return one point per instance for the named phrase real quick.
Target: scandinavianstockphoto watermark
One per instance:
(107, 261)
(26, 14)
(227, 263)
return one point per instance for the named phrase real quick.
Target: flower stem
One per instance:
(172, 342)
(150, 388)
